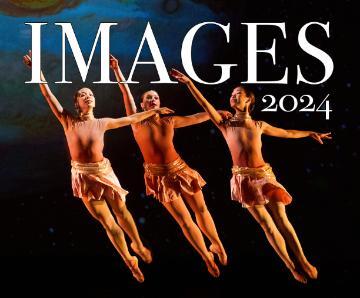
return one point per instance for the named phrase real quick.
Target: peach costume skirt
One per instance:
(167, 182)
(254, 186)
(95, 181)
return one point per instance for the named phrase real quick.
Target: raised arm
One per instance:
(214, 115)
(135, 118)
(50, 98)
(129, 102)
(294, 134)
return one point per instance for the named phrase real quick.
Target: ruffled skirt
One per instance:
(166, 182)
(95, 181)
(256, 186)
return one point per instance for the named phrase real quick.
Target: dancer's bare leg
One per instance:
(127, 223)
(274, 237)
(101, 212)
(206, 224)
(180, 213)
(287, 230)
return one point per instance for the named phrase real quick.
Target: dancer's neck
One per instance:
(86, 116)
(154, 117)
(239, 115)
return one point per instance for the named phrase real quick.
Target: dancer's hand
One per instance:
(114, 63)
(319, 137)
(27, 59)
(164, 111)
(179, 76)
(225, 115)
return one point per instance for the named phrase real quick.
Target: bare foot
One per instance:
(220, 252)
(310, 270)
(143, 253)
(133, 265)
(211, 266)
(298, 276)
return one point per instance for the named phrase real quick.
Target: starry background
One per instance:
(49, 243)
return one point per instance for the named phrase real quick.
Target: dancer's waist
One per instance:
(92, 167)
(260, 172)
(165, 169)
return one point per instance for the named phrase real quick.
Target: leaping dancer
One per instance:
(93, 179)
(253, 183)
(168, 177)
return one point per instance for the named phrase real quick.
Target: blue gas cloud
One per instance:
(23, 111)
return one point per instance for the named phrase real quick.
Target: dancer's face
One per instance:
(150, 100)
(239, 100)
(85, 100)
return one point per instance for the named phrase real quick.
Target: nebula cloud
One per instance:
(21, 8)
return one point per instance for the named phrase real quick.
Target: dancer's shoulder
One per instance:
(68, 118)
(259, 123)
(168, 119)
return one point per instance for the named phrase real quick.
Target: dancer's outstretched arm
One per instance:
(54, 104)
(129, 102)
(294, 134)
(113, 123)
(214, 115)
(183, 121)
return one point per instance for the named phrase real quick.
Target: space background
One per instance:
(50, 246)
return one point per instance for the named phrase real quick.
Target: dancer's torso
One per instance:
(85, 139)
(244, 141)
(155, 139)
